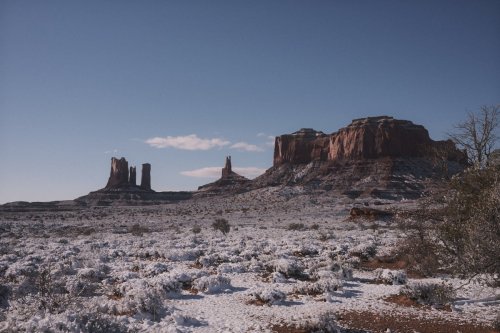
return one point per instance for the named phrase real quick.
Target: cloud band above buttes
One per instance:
(193, 142)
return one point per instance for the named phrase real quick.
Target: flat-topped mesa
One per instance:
(376, 137)
(300, 147)
(227, 170)
(119, 173)
(364, 138)
(146, 177)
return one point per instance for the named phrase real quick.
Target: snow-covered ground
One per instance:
(290, 259)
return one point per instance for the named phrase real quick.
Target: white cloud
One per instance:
(269, 138)
(215, 172)
(114, 151)
(188, 142)
(249, 172)
(209, 172)
(246, 147)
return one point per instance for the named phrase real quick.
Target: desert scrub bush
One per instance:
(138, 230)
(364, 251)
(318, 287)
(296, 226)
(196, 229)
(387, 276)
(4, 295)
(342, 270)
(155, 269)
(460, 225)
(266, 296)
(221, 225)
(324, 323)
(212, 284)
(141, 298)
(496, 323)
(98, 323)
(289, 268)
(429, 293)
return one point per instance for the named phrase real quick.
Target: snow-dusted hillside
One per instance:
(292, 262)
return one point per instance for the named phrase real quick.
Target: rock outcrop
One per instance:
(146, 177)
(119, 173)
(123, 178)
(377, 156)
(229, 182)
(132, 180)
(227, 170)
(366, 138)
(122, 189)
(303, 146)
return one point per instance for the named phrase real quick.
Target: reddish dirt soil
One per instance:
(379, 323)
(390, 263)
(406, 301)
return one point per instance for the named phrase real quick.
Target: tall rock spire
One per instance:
(146, 177)
(226, 171)
(132, 180)
(119, 172)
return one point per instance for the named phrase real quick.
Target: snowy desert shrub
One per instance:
(230, 268)
(213, 259)
(388, 276)
(496, 322)
(4, 295)
(98, 323)
(221, 225)
(306, 250)
(296, 226)
(196, 229)
(21, 269)
(138, 230)
(429, 293)
(318, 287)
(79, 287)
(364, 250)
(339, 252)
(324, 323)
(155, 269)
(93, 274)
(267, 296)
(183, 255)
(324, 236)
(212, 284)
(289, 268)
(147, 302)
(184, 320)
(342, 270)
(277, 277)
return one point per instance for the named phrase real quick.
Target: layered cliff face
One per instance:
(376, 156)
(119, 173)
(379, 137)
(300, 147)
(367, 138)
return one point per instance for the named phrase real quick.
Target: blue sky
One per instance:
(83, 81)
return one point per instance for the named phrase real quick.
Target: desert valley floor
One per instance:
(291, 262)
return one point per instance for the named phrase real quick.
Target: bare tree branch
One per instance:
(477, 134)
